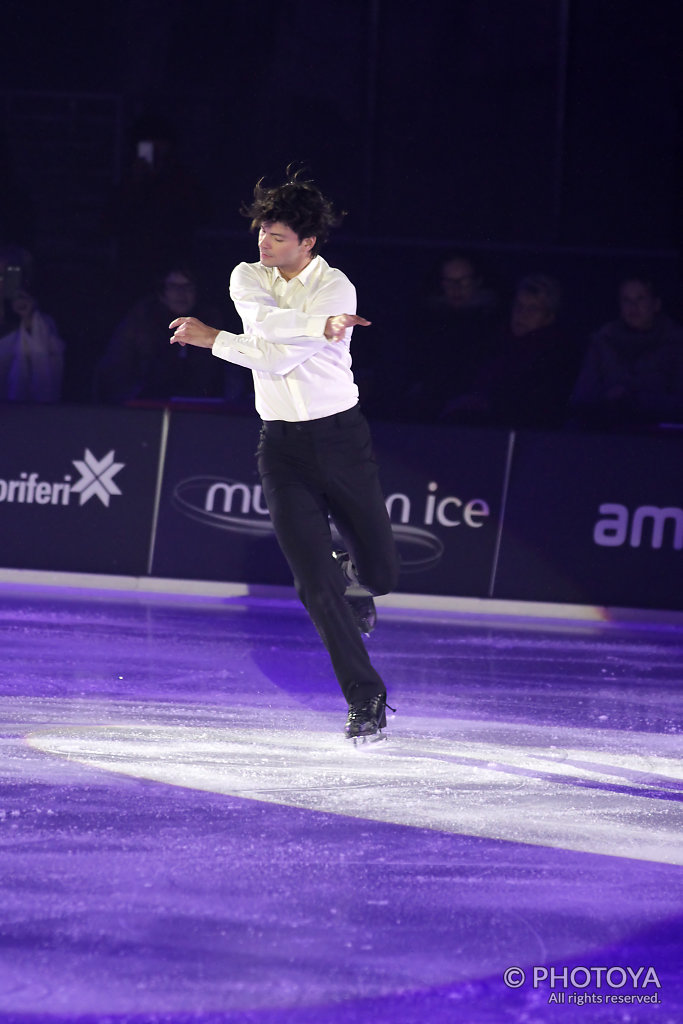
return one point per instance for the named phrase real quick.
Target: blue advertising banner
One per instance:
(587, 519)
(213, 523)
(443, 490)
(594, 519)
(77, 488)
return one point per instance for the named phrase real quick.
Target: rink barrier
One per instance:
(575, 519)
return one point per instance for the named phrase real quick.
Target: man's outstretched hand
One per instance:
(190, 331)
(336, 326)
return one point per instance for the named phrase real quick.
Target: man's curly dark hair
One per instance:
(298, 203)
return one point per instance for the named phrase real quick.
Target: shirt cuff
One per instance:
(224, 339)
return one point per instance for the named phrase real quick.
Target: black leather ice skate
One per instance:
(361, 602)
(364, 611)
(367, 718)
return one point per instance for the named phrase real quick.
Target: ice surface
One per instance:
(187, 836)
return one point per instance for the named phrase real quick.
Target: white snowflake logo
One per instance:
(96, 477)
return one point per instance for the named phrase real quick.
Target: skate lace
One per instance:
(361, 709)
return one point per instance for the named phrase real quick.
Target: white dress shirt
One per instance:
(298, 373)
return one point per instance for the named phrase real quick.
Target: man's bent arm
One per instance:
(256, 353)
(275, 340)
(261, 315)
(244, 349)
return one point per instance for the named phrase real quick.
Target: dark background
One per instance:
(544, 134)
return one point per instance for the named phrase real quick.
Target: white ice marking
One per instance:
(576, 797)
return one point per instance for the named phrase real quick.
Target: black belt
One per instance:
(337, 419)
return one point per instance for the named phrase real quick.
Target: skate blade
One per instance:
(374, 738)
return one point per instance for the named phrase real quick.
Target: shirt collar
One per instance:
(304, 277)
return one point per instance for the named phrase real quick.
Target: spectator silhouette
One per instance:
(31, 350)
(460, 328)
(632, 372)
(141, 364)
(527, 384)
(155, 212)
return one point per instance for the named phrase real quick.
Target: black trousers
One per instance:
(311, 471)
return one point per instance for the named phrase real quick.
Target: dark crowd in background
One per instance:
(468, 327)
(468, 350)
